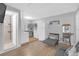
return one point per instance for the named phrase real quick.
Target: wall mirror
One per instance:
(66, 28)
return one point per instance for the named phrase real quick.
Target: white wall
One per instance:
(24, 34)
(77, 27)
(40, 32)
(1, 36)
(53, 28)
(67, 18)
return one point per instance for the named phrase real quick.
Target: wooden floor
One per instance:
(35, 48)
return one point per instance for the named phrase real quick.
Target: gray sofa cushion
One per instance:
(61, 52)
(51, 42)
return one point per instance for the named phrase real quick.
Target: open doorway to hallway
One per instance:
(31, 28)
(28, 29)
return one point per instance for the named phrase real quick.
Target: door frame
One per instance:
(16, 41)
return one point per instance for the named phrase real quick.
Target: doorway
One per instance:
(31, 29)
(10, 34)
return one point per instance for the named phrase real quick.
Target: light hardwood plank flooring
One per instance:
(35, 48)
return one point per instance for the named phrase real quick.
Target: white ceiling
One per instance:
(40, 10)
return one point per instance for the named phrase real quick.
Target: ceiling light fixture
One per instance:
(28, 17)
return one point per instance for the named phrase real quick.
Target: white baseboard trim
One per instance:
(9, 49)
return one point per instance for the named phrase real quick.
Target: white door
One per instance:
(7, 29)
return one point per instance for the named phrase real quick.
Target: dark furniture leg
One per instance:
(70, 41)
